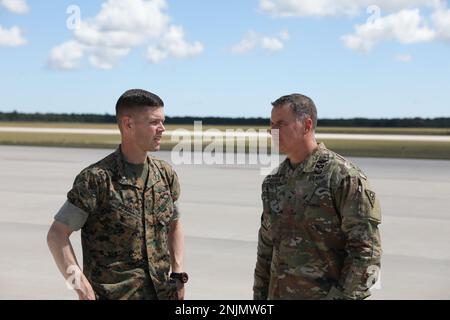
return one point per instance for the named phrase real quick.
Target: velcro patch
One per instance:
(371, 195)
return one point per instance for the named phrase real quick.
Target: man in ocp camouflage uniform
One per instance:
(319, 236)
(125, 206)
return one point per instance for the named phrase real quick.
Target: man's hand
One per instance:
(85, 291)
(180, 290)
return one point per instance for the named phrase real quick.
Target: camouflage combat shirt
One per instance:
(125, 236)
(319, 236)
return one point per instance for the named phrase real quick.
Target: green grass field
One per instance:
(391, 149)
(361, 130)
(396, 149)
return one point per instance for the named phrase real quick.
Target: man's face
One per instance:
(291, 133)
(148, 127)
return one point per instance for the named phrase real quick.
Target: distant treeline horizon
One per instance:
(442, 122)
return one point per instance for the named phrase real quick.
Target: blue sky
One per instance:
(228, 58)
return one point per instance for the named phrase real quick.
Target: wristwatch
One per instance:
(181, 276)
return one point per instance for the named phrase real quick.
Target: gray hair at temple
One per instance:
(300, 105)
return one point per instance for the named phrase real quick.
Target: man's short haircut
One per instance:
(300, 106)
(136, 99)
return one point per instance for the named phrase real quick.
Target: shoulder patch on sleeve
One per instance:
(371, 196)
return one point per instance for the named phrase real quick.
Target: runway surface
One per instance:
(221, 210)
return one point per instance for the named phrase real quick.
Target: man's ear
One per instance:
(308, 125)
(127, 122)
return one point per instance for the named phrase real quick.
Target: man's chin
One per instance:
(153, 148)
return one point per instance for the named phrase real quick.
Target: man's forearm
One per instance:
(66, 261)
(63, 254)
(176, 246)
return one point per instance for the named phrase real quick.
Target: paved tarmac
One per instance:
(221, 210)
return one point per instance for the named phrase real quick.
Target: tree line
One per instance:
(443, 122)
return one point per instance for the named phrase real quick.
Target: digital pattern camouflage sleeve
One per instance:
(360, 213)
(175, 193)
(87, 192)
(264, 254)
(171, 177)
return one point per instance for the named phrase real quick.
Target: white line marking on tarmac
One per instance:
(233, 134)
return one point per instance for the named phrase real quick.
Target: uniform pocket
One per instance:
(273, 195)
(318, 196)
(125, 216)
(164, 207)
(320, 213)
(118, 235)
(169, 291)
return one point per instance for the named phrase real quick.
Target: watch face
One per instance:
(184, 277)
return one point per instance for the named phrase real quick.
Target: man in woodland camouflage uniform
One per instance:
(125, 206)
(319, 236)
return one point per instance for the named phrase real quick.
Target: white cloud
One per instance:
(11, 37)
(16, 6)
(66, 56)
(107, 58)
(248, 43)
(272, 44)
(122, 25)
(252, 40)
(403, 57)
(397, 20)
(406, 26)
(173, 45)
(441, 20)
(301, 8)
(156, 55)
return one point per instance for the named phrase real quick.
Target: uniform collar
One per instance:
(310, 162)
(153, 172)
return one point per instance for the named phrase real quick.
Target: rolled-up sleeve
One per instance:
(82, 200)
(71, 216)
